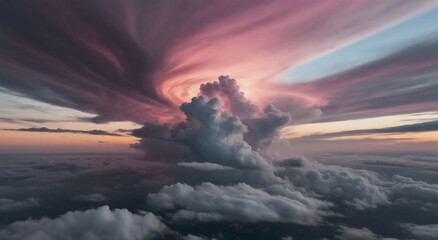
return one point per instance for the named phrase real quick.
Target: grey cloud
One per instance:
(287, 238)
(154, 130)
(291, 162)
(60, 130)
(194, 237)
(204, 166)
(298, 107)
(417, 162)
(94, 224)
(404, 187)
(417, 127)
(383, 163)
(210, 134)
(154, 181)
(347, 233)
(94, 197)
(241, 202)
(422, 232)
(358, 188)
(8, 120)
(124, 130)
(15, 120)
(96, 120)
(158, 150)
(228, 90)
(32, 120)
(212, 139)
(7, 205)
(264, 130)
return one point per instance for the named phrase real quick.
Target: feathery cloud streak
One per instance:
(138, 60)
(59, 130)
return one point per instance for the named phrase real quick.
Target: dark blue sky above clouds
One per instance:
(218, 120)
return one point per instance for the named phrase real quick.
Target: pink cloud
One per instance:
(139, 60)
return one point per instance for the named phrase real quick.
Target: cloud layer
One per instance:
(241, 202)
(360, 189)
(94, 224)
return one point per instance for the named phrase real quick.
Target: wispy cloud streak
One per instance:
(403, 82)
(60, 130)
(417, 127)
(139, 60)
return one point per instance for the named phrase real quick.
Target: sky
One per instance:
(311, 114)
(91, 66)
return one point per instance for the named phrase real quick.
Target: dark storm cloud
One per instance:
(416, 127)
(60, 130)
(97, 224)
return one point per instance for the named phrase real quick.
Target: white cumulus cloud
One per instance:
(241, 202)
(95, 224)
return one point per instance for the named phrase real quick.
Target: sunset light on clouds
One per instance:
(319, 113)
